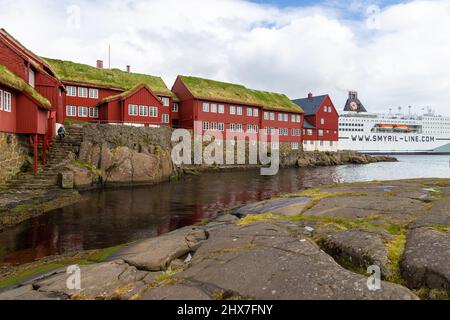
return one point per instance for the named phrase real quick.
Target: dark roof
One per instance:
(308, 125)
(310, 105)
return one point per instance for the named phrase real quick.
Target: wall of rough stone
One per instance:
(13, 154)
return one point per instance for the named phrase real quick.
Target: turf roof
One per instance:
(115, 78)
(9, 79)
(211, 89)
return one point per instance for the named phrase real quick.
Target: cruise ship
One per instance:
(374, 133)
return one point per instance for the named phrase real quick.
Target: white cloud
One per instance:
(291, 50)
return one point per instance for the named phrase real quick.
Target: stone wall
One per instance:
(13, 155)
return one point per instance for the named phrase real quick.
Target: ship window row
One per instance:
(352, 130)
(351, 124)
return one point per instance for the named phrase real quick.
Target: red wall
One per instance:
(331, 126)
(30, 118)
(14, 62)
(8, 119)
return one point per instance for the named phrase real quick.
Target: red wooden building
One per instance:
(224, 106)
(31, 94)
(94, 94)
(321, 127)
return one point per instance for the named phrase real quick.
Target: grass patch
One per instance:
(165, 278)
(88, 166)
(104, 254)
(432, 294)
(28, 273)
(211, 89)
(69, 122)
(395, 250)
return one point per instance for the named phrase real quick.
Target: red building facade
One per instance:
(224, 107)
(321, 127)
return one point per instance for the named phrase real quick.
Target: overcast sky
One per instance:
(396, 53)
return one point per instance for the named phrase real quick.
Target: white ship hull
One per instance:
(394, 143)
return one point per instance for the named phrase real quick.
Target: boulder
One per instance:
(426, 259)
(66, 179)
(156, 254)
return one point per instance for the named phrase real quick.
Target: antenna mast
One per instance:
(109, 57)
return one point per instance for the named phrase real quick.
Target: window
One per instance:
(321, 143)
(280, 117)
(205, 125)
(249, 112)
(331, 143)
(71, 111)
(31, 77)
(275, 145)
(205, 107)
(165, 101)
(93, 93)
(1, 100)
(294, 145)
(296, 132)
(299, 119)
(329, 109)
(221, 126)
(280, 131)
(325, 108)
(286, 117)
(255, 112)
(293, 118)
(71, 91)
(153, 112)
(214, 108)
(266, 116)
(239, 111)
(272, 116)
(175, 107)
(132, 110)
(309, 132)
(322, 121)
(6, 101)
(214, 126)
(165, 118)
(232, 110)
(320, 133)
(221, 108)
(82, 92)
(232, 127)
(143, 111)
(82, 112)
(93, 112)
(239, 127)
(286, 131)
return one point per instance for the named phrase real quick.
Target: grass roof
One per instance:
(9, 79)
(124, 94)
(115, 78)
(235, 93)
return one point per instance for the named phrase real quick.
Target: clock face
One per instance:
(353, 106)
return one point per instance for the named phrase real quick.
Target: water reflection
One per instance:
(106, 218)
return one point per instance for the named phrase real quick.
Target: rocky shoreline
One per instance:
(313, 245)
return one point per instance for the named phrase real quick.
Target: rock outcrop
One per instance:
(318, 159)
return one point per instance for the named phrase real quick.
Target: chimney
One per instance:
(128, 68)
(100, 64)
(310, 96)
(353, 95)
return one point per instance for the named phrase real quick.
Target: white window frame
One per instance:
(93, 112)
(165, 118)
(213, 108)
(1, 100)
(329, 110)
(239, 127)
(320, 133)
(294, 145)
(325, 109)
(165, 101)
(239, 111)
(232, 127)
(280, 117)
(214, 126)
(93, 93)
(133, 109)
(232, 110)
(82, 92)
(255, 112)
(221, 126)
(205, 125)
(286, 117)
(249, 112)
(299, 119)
(221, 108)
(82, 112)
(309, 132)
(266, 115)
(71, 111)
(272, 115)
(143, 111)
(72, 91)
(175, 107)
(322, 121)
(7, 103)
(205, 107)
(32, 78)
(153, 112)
